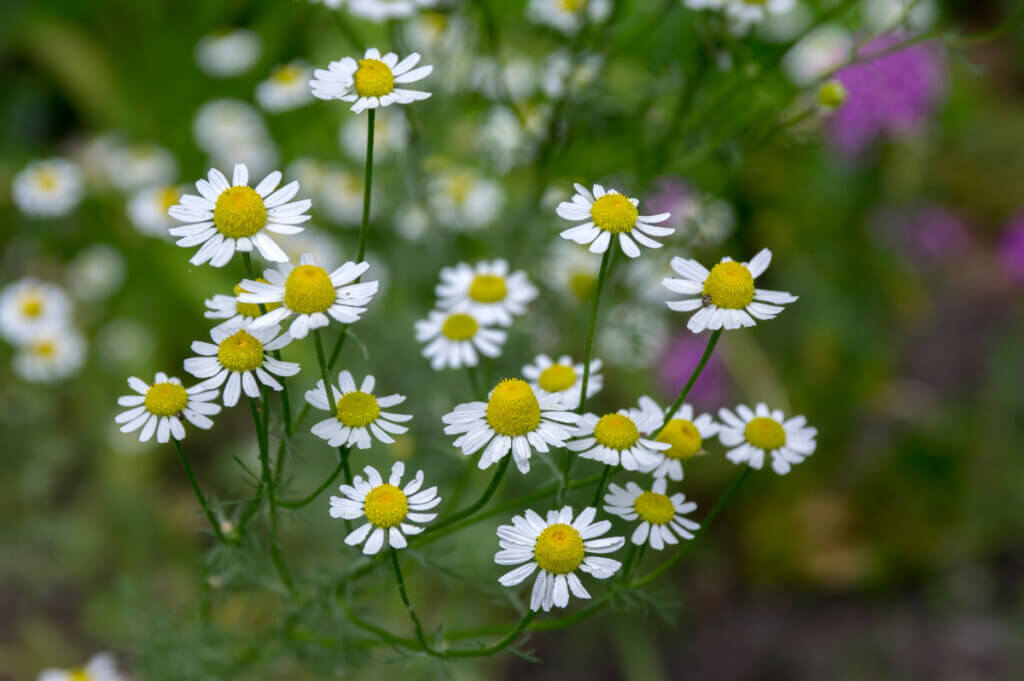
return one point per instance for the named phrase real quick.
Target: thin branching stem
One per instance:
(199, 493)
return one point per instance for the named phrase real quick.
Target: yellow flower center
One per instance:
(684, 438)
(386, 506)
(513, 408)
(557, 377)
(765, 433)
(167, 197)
(488, 288)
(572, 6)
(31, 306)
(374, 78)
(239, 212)
(252, 309)
(654, 508)
(458, 186)
(436, 21)
(79, 675)
(357, 409)
(754, 2)
(559, 549)
(582, 285)
(459, 327)
(44, 348)
(286, 75)
(308, 289)
(616, 431)
(240, 352)
(729, 285)
(166, 399)
(614, 213)
(46, 180)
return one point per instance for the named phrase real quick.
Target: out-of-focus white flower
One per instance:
(412, 221)
(885, 15)
(341, 197)
(29, 306)
(515, 78)
(390, 135)
(455, 339)
(124, 343)
(287, 87)
(631, 334)
(509, 137)
(485, 290)
(821, 51)
(572, 270)
(51, 354)
(147, 210)
(383, 10)
(48, 188)
(227, 123)
(436, 33)
(228, 53)
(462, 200)
(560, 73)
(96, 272)
(100, 667)
(568, 16)
(133, 166)
(745, 12)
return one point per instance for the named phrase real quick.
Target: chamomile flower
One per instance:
(48, 188)
(51, 354)
(751, 433)
(685, 435)
(753, 11)
(131, 167)
(147, 209)
(556, 547)
(572, 271)
(607, 213)
(568, 16)
(618, 438)
(311, 293)
(383, 10)
(229, 217)
(29, 306)
(454, 339)
(287, 87)
(487, 291)
(391, 511)
(234, 312)
(158, 408)
(239, 356)
(563, 378)
(514, 418)
(101, 667)
(724, 297)
(705, 4)
(663, 518)
(370, 82)
(463, 200)
(222, 125)
(357, 413)
(341, 196)
(228, 53)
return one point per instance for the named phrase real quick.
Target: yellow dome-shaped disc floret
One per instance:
(239, 212)
(374, 78)
(572, 6)
(729, 285)
(386, 506)
(614, 213)
(616, 431)
(582, 285)
(684, 438)
(308, 289)
(43, 348)
(654, 508)
(557, 377)
(357, 409)
(31, 306)
(459, 327)
(240, 352)
(765, 433)
(166, 399)
(488, 288)
(513, 408)
(559, 549)
(79, 674)
(252, 309)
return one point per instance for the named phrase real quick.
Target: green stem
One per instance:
(689, 383)
(600, 485)
(199, 493)
(329, 391)
(479, 503)
(367, 185)
(268, 483)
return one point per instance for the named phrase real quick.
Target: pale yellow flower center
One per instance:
(614, 213)
(357, 409)
(167, 197)
(729, 285)
(252, 309)
(654, 508)
(684, 438)
(239, 212)
(374, 78)
(459, 327)
(240, 352)
(513, 408)
(287, 75)
(31, 306)
(559, 549)
(582, 285)
(166, 399)
(765, 433)
(386, 506)
(557, 377)
(46, 180)
(308, 289)
(488, 288)
(616, 431)
(44, 348)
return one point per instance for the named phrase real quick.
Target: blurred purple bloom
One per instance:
(673, 195)
(926, 232)
(1011, 249)
(677, 362)
(892, 94)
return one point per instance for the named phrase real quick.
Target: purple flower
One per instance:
(673, 195)
(890, 95)
(1011, 249)
(678, 360)
(926, 232)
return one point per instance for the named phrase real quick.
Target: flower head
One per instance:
(371, 82)
(606, 214)
(228, 53)
(751, 433)
(568, 16)
(286, 88)
(158, 408)
(356, 413)
(100, 667)
(486, 291)
(147, 209)
(51, 354)
(563, 379)
(239, 355)
(685, 434)
(662, 517)
(619, 438)
(454, 339)
(48, 188)
(29, 306)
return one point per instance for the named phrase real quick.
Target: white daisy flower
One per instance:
(233, 311)
(725, 297)
(486, 291)
(341, 197)
(436, 33)
(607, 213)
(462, 200)
(454, 338)
(663, 517)
(131, 167)
(311, 293)
(147, 209)
(618, 438)
(752, 11)
(240, 356)
(222, 125)
(820, 52)
(390, 137)
(563, 73)
(389, 509)
(568, 16)
(513, 418)
(556, 547)
(370, 82)
(51, 354)
(563, 378)
(752, 433)
(357, 413)
(229, 217)
(101, 667)
(383, 10)
(572, 270)
(685, 435)
(887, 15)
(287, 87)
(705, 4)
(97, 271)
(48, 188)
(228, 53)
(29, 306)
(513, 79)
(158, 408)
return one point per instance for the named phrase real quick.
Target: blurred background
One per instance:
(895, 552)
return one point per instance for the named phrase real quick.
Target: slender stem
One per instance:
(367, 185)
(199, 493)
(306, 501)
(479, 503)
(268, 483)
(689, 383)
(329, 391)
(600, 485)
(408, 605)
